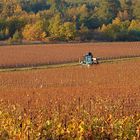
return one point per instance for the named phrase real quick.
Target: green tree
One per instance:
(4, 34)
(14, 24)
(57, 6)
(106, 10)
(17, 36)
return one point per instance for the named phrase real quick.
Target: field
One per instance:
(112, 80)
(100, 102)
(15, 56)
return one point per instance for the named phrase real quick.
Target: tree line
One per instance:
(66, 20)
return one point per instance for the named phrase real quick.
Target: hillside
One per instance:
(66, 20)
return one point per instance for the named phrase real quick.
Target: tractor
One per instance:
(88, 59)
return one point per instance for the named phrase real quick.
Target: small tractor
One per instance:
(88, 59)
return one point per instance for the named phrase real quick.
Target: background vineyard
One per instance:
(34, 55)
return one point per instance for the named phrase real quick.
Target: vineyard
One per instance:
(35, 55)
(69, 69)
(97, 103)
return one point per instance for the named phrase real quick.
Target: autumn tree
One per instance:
(10, 8)
(118, 30)
(62, 19)
(68, 31)
(134, 30)
(126, 7)
(134, 26)
(34, 32)
(136, 9)
(55, 26)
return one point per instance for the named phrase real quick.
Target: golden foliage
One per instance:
(34, 32)
(17, 124)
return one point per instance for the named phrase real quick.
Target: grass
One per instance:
(119, 59)
(40, 67)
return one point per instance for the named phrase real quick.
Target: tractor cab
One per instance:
(88, 59)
